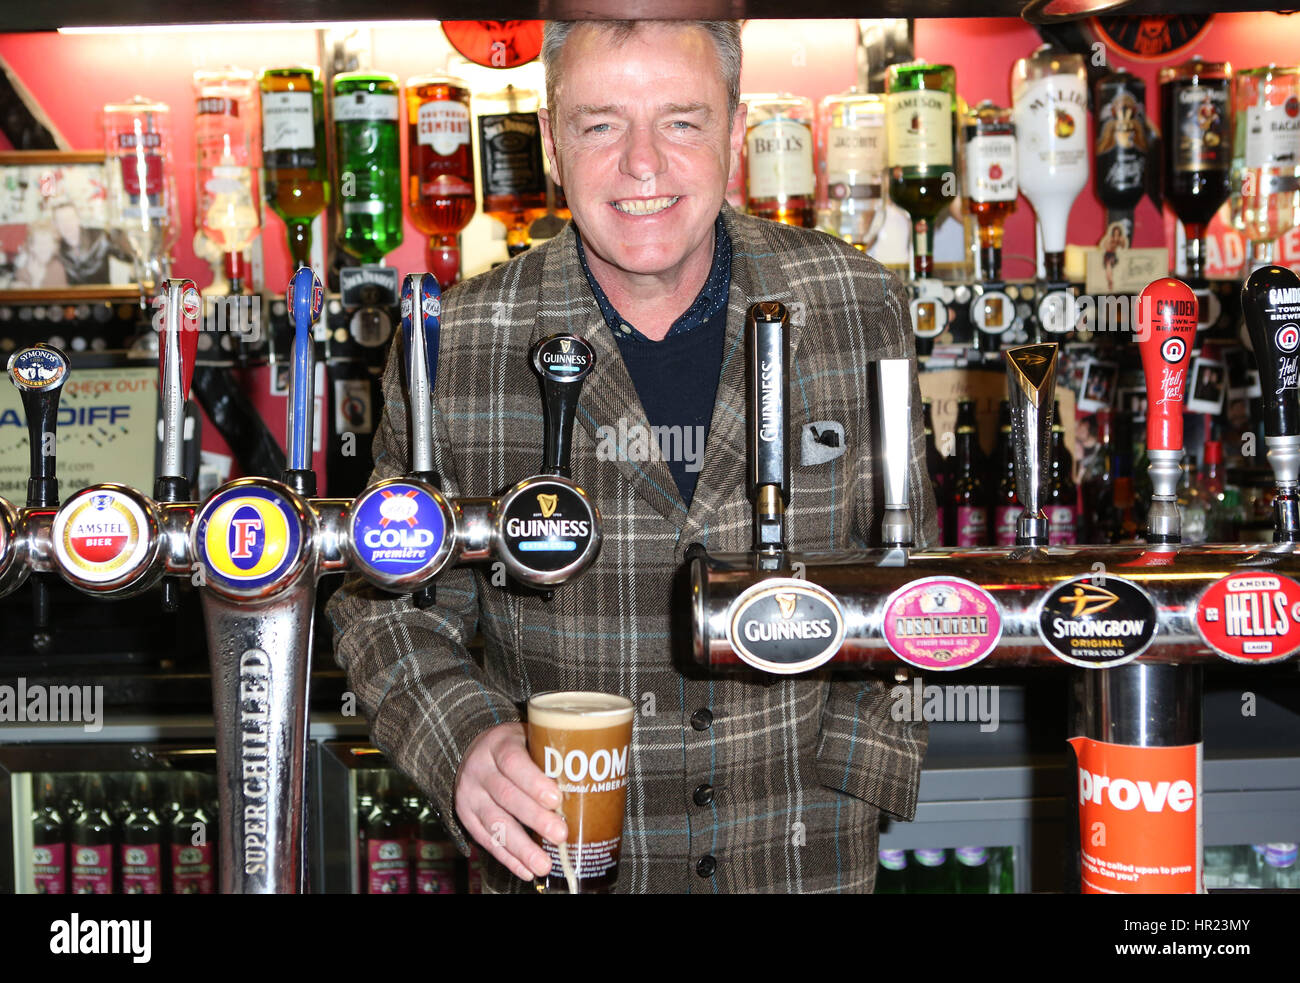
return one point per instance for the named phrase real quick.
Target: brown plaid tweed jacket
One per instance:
(799, 767)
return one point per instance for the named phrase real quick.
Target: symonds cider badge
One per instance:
(1251, 617)
(1097, 621)
(785, 626)
(100, 535)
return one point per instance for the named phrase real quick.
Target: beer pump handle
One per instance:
(1031, 390)
(421, 330)
(1270, 301)
(895, 393)
(178, 344)
(768, 366)
(1166, 333)
(38, 372)
(562, 362)
(306, 298)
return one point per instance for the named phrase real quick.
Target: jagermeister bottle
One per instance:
(1121, 147)
(293, 152)
(368, 150)
(922, 167)
(779, 159)
(510, 158)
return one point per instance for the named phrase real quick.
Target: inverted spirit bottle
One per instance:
(367, 147)
(1266, 158)
(850, 191)
(779, 159)
(510, 158)
(227, 138)
(1049, 91)
(1196, 118)
(1122, 147)
(441, 170)
(293, 152)
(989, 140)
(921, 100)
(141, 197)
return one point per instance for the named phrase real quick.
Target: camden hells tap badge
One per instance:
(100, 535)
(249, 538)
(547, 526)
(400, 531)
(785, 626)
(1251, 617)
(942, 623)
(1097, 621)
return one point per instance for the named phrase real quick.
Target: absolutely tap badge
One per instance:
(942, 623)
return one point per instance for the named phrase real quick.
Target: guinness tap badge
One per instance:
(785, 626)
(563, 358)
(547, 528)
(548, 503)
(1097, 621)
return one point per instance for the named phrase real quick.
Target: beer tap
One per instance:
(895, 394)
(1166, 323)
(1031, 388)
(178, 344)
(39, 372)
(421, 330)
(1270, 300)
(305, 299)
(768, 362)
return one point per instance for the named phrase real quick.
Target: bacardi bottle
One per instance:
(779, 159)
(140, 195)
(367, 146)
(93, 841)
(293, 152)
(1049, 92)
(989, 141)
(49, 839)
(142, 842)
(922, 177)
(510, 159)
(850, 188)
(227, 138)
(441, 168)
(193, 852)
(1266, 158)
(1122, 147)
(1196, 118)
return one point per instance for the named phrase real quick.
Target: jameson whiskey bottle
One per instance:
(1266, 158)
(510, 158)
(1122, 147)
(1006, 506)
(779, 159)
(850, 189)
(193, 853)
(1196, 119)
(293, 152)
(441, 168)
(142, 842)
(989, 143)
(49, 839)
(227, 143)
(969, 515)
(921, 101)
(1049, 92)
(1062, 493)
(367, 149)
(93, 841)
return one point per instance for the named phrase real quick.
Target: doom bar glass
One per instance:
(582, 740)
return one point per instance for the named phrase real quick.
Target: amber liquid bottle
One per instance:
(441, 168)
(293, 152)
(779, 159)
(989, 136)
(510, 159)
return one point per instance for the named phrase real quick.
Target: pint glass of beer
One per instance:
(581, 740)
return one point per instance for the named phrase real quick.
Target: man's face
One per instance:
(640, 141)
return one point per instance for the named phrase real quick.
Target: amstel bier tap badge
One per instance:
(100, 535)
(400, 531)
(249, 538)
(1251, 617)
(1097, 622)
(782, 625)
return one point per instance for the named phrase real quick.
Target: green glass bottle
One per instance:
(293, 151)
(922, 169)
(368, 149)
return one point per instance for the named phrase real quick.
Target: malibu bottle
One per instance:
(142, 842)
(49, 839)
(969, 515)
(93, 841)
(922, 177)
(367, 148)
(193, 857)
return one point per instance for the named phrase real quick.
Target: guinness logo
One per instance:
(547, 530)
(787, 603)
(1087, 600)
(771, 310)
(563, 358)
(785, 626)
(565, 345)
(547, 503)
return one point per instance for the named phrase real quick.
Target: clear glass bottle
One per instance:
(922, 104)
(141, 196)
(228, 150)
(1265, 200)
(779, 159)
(851, 138)
(1049, 92)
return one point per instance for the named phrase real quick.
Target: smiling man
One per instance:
(738, 782)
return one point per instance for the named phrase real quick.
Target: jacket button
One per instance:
(703, 795)
(705, 866)
(702, 719)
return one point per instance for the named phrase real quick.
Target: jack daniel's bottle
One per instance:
(510, 156)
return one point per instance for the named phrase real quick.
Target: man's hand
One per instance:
(497, 788)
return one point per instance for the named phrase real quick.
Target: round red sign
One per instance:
(1251, 617)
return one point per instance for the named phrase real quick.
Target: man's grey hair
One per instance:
(724, 33)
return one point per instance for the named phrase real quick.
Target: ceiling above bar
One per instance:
(94, 13)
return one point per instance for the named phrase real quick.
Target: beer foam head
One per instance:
(577, 710)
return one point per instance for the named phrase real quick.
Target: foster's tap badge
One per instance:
(1251, 617)
(39, 368)
(401, 532)
(249, 537)
(785, 626)
(102, 536)
(1097, 621)
(563, 358)
(941, 623)
(547, 529)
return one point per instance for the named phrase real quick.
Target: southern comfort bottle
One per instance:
(441, 168)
